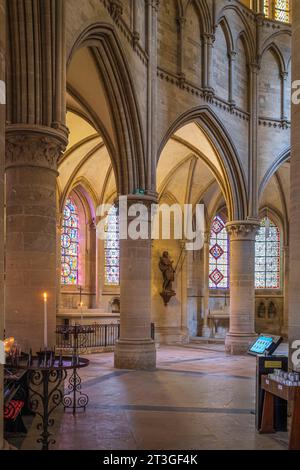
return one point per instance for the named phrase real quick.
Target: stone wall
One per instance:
(239, 38)
(2, 158)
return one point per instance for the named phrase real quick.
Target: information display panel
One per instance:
(265, 345)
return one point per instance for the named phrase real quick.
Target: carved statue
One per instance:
(168, 272)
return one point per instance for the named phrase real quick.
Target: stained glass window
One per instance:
(267, 256)
(278, 10)
(112, 249)
(267, 8)
(218, 256)
(282, 10)
(70, 244)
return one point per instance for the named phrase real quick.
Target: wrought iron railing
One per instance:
(95, 336)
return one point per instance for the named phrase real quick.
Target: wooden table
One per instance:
(290, 394)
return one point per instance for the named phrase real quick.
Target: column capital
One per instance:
(232, 55)
(153, 3)
(146, 199)
(181, 22)
(243, 229)
(34, 146)
(254, 67)
(210, 37)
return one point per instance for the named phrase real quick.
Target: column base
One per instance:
(238, 344)
(135, 355)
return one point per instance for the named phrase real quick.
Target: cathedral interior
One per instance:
(172, 103)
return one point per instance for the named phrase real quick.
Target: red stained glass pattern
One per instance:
(267, 256)
(218, 255)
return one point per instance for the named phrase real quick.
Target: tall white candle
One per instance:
(45, 322)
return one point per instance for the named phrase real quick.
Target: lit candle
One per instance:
(45, 322)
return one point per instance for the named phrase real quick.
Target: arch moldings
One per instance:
(113, 68)
(236, 194)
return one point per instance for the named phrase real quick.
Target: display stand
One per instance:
(78, 335)
(290, 394)
(46, 375)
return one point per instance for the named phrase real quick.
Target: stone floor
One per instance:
(198, 398)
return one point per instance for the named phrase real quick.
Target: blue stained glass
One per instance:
(70, 244)
(267, 257)
(112, 249)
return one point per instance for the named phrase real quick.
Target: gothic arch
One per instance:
(271, 42)
(282, 158)
(272, 46)
(235, 186)
(223, 23)
(112, 66)
(203, 14)
(243, 38)
(245, 27)
(81, 186)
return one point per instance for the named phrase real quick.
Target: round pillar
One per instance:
(31, 162)
(135, 348)
(242, 293)
(294, 279)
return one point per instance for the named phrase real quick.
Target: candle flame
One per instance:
(45, 296)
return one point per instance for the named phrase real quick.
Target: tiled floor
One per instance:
(198, 398)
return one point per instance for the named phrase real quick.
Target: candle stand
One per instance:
(74, 399)
(46, 375)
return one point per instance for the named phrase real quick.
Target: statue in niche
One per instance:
(168, 272)
(261, 311)
(272, 311)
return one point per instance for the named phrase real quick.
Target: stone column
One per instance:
(181, 25)
(286, 260)
(242, 292)
(205, 286)
(36, 135)
(208, 41)
(31, 171)
(2, 159)
(232, 59)
(284, 77)
(184, 327)
(135, 349)
(253, 141)
(294, 281)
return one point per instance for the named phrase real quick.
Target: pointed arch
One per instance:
(234, 177)
(203, 13)
(223, 23)
(245, 27)
(113, 68)
(273, 47)
(282, 158)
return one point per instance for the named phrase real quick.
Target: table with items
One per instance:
(285, 385)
